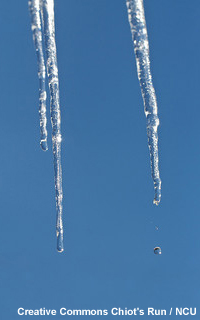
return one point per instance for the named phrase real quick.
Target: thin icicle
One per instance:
(141, 47)
(34, 7)
(52, 72)
(45, 10)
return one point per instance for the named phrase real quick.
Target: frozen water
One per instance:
(36, 26)
(43, 11)
(137, 22)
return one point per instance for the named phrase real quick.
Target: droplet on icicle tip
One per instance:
(44, 145)
(157, 250)
(60, 245)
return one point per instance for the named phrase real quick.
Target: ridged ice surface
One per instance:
(46, 11)
(36, 25)
(137, 22)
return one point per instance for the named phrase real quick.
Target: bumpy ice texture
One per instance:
(43, 10)
(137, 22)
(36, 25)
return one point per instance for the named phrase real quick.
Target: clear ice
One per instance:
(137, 22)
(42, 19)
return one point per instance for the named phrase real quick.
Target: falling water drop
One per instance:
(157, 250)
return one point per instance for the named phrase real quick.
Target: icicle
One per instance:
(47, 13)
(34, 7)
(52, 72)
(141, 47)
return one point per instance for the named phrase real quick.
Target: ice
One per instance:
(42, 18)
(137, 22)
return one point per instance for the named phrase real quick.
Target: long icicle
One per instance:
(52, 72)
(137, 22)
(43, 10)
(34, 8)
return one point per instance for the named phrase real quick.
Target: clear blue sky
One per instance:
(109, 217)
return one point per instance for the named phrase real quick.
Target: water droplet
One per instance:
(157, 250)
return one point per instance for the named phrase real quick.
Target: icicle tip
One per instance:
(60, 244)
(44, 145)
(156, 202)
(157, 198)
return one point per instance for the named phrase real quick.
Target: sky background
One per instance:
(109, 216)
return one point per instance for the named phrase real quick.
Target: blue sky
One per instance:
(109, 217)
